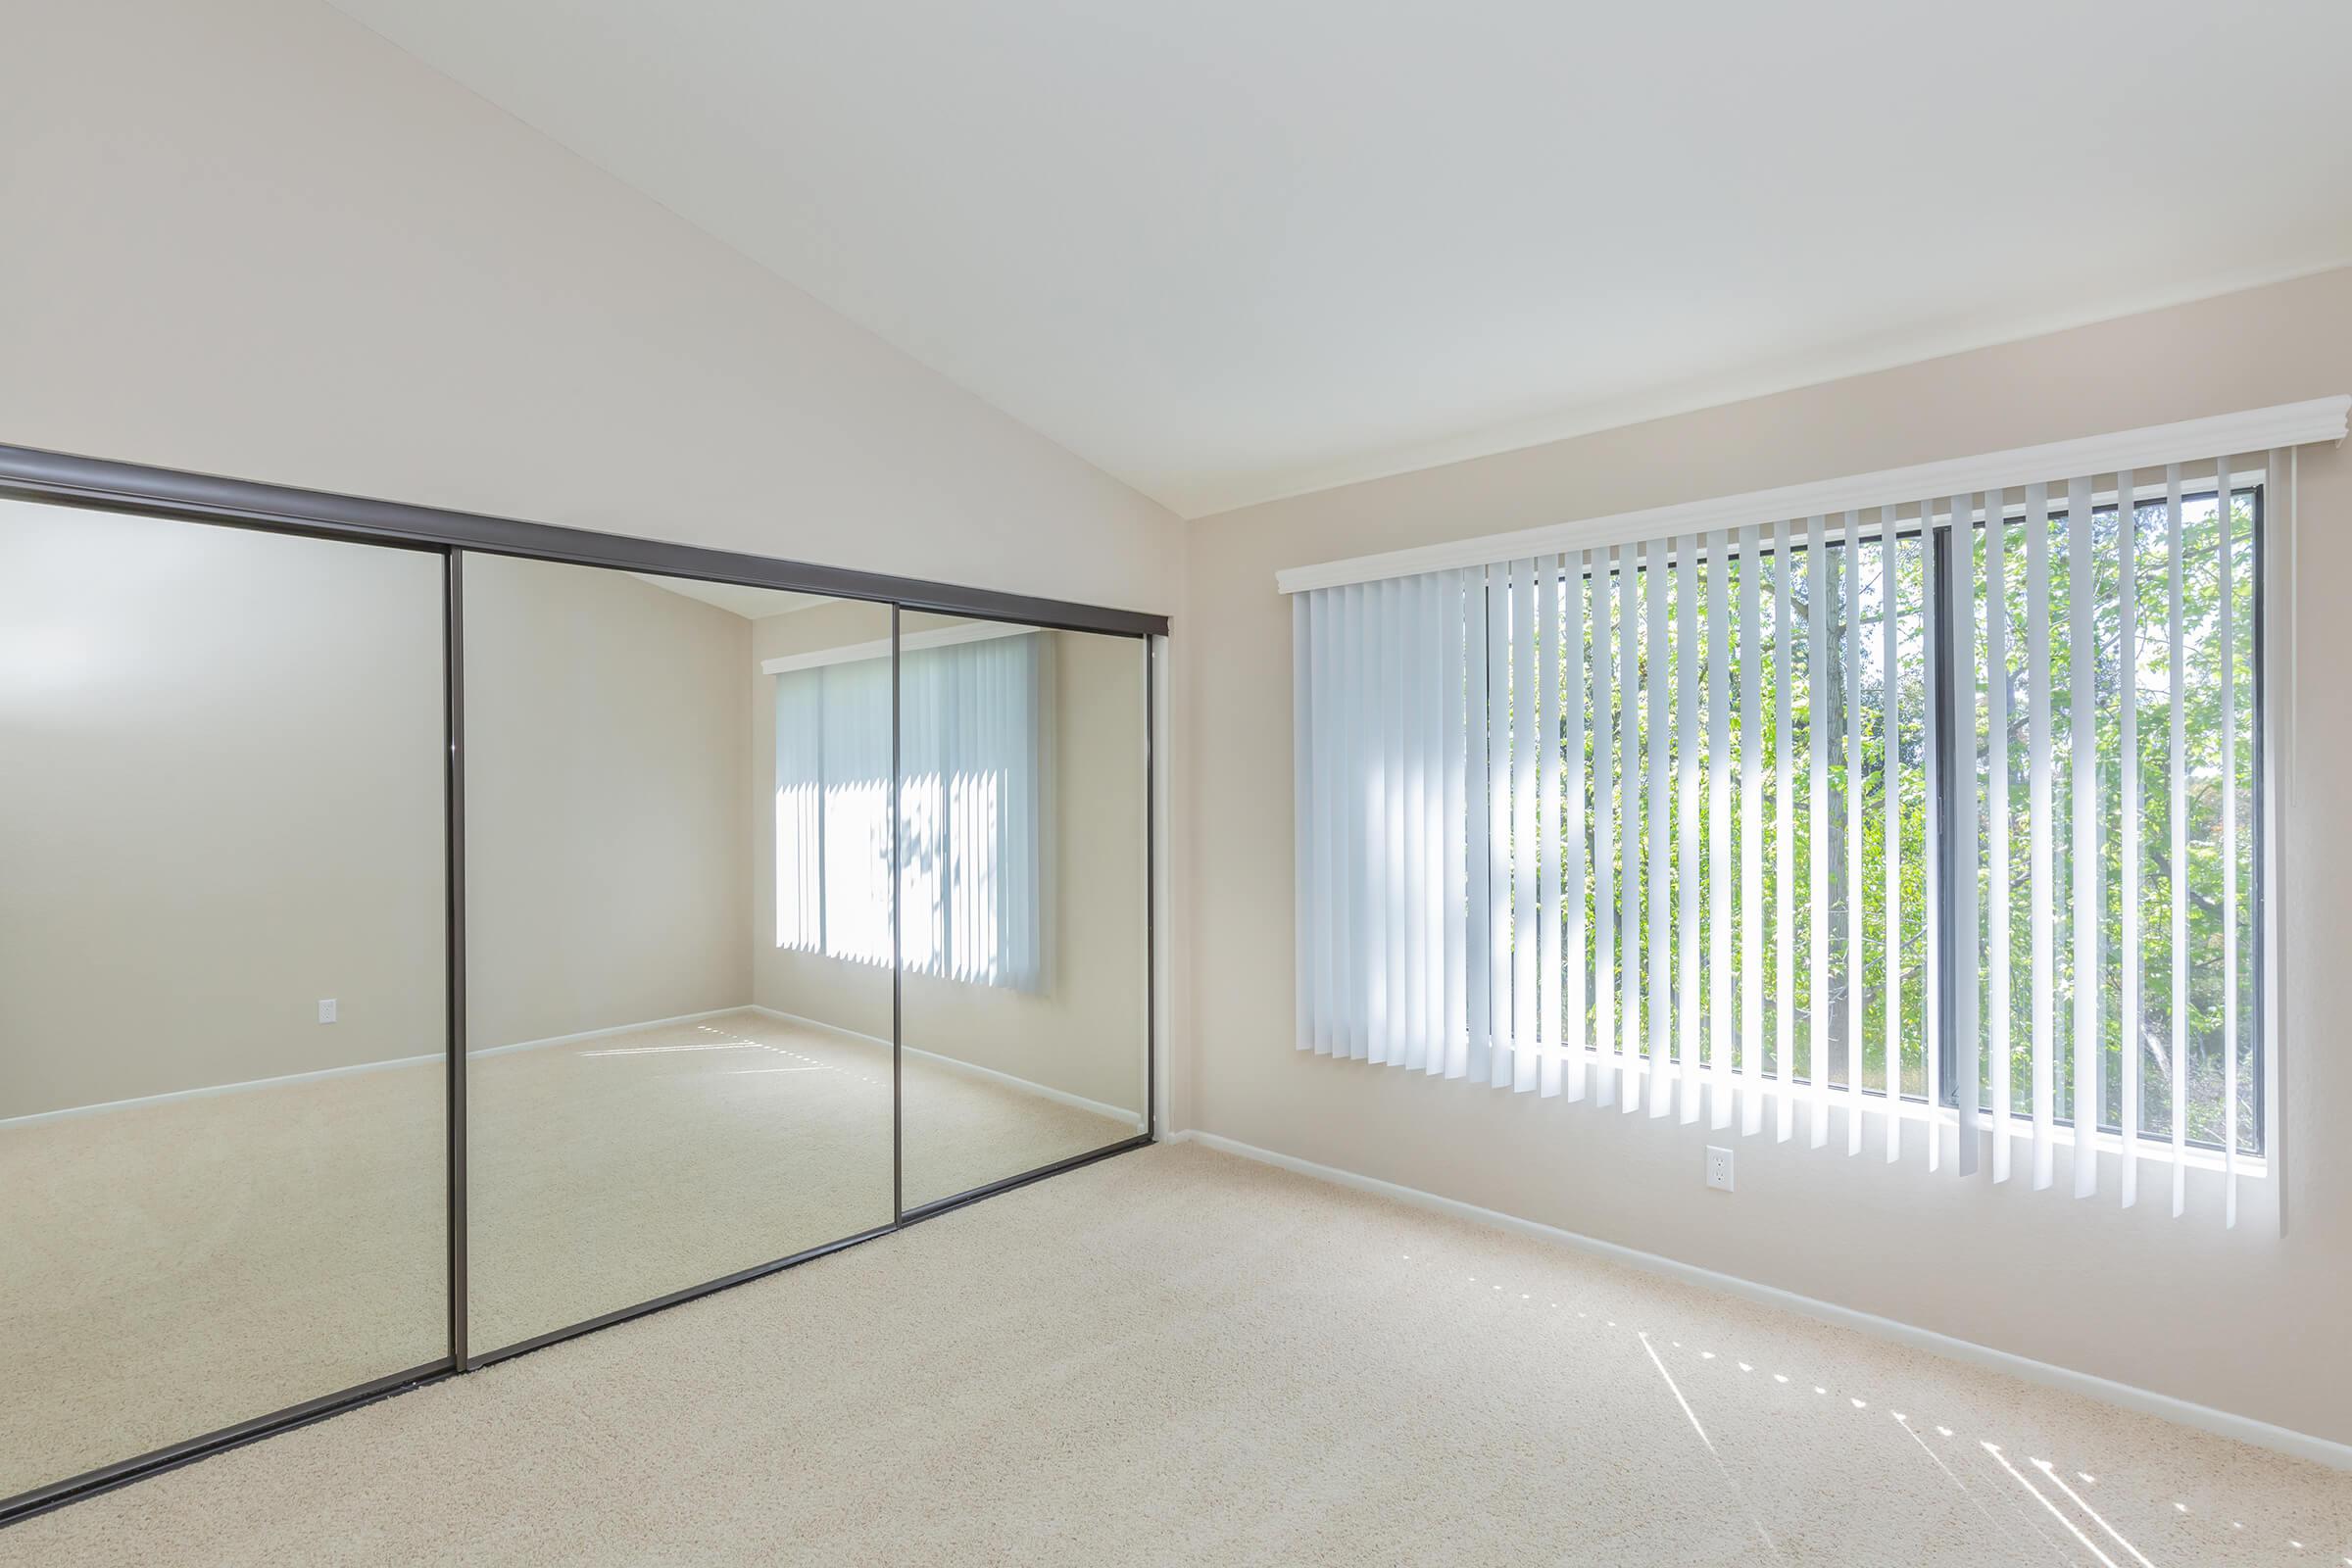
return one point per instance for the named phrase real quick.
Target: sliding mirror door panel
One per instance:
(1024, 930)
(223, 962)
(648, 1110)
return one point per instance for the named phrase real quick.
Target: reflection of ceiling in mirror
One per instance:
(736, 598)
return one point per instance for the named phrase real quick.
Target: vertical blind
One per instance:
(972, 748)
(1945, 807)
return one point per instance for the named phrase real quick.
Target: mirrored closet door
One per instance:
(1024, 899)
(222, 1015)
(661, 1090)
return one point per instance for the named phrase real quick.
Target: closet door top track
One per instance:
(33, 474)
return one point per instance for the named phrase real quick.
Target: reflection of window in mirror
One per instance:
(975, 758)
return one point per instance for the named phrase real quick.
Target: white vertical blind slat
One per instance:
(1852, 713)
(1890, 797)
(1604, 830)
(1354, 927)
(1686, 694)
(1436, 826)
(1378, 664)
(2126, 540)
(1499, 814)
(1967, 1062)
(2039, 869)
(1412, 641)
(1524, 928)
(2271, 643)
(1821, 593)
(2176, 748)
(2224, 631)
(1331, 734)
(1370, 830)
(1397, 929)
(2083, 745)
(1719, 831)
(1314, 914)
(2001, 1072)
(1572, 829)
(1629, 881)
(1477, 973)
(1324, 751)
(1656, 579)
(1932, 742)
(1302, 819)
(1783, 846)
(1548, 824)
(1339, 962)
(1751, 835)
(1426, 993)
(1439, 826)
(1380, 667)
(1451, 669)
(1329, 885)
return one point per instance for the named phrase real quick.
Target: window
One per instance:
(1792, 825)
(972, 768)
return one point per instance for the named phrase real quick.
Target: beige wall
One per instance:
(1084, 1033)
(607, 803)
(2246, 1321)
(220, 801)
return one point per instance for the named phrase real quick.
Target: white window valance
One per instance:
(2280, 427)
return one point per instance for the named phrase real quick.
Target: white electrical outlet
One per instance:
(1719, 1168)
(326, 1009)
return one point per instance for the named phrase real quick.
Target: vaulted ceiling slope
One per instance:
(1233, 249)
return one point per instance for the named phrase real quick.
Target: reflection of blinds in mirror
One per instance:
(972, 758)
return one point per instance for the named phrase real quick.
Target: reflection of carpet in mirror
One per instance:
(177, 1266)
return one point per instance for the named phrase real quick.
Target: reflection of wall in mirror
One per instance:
(220, 806)
(620, 854)
(607, 881)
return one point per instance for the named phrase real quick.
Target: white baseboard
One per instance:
(283, 1079)
(1058, 1096)
(207, 1090)
(2245, 1428)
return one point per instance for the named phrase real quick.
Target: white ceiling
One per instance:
(1232, 249)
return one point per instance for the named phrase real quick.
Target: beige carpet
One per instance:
(1174, 1356)
(173, 1268)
